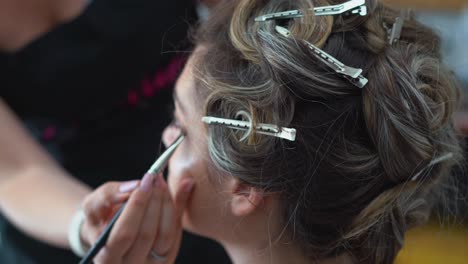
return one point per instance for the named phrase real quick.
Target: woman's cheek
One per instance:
(180, 166)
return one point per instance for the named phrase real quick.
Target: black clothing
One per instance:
(96, 92)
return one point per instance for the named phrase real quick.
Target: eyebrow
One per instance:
(177, 100)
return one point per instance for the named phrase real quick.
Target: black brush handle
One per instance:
(93, 251)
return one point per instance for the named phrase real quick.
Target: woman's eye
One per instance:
(176, 124)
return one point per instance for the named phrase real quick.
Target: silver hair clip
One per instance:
(432, 163)
(353, 7)
(265, 129)
(350, 73)
(394, 33)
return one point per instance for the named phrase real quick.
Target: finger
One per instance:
(170, 218)
(126, 228)
(96, 208)
(182, 195)
(181, 199)
(98, 200)
(101, 205)
(129, 186)
(166, 229)
(138, 252)
(104, 257)
(97, 205)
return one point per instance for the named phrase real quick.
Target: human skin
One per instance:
(244, 219)
(36, 194)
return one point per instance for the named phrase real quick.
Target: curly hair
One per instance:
(345, 184)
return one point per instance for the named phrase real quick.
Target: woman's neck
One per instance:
(262, 238)
(265, 253)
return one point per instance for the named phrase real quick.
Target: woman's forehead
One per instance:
(184, 86)
(186, 91)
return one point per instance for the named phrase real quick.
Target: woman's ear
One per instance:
(245, 198)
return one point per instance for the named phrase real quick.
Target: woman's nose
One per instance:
(170, 134)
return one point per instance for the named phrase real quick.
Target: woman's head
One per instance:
(347, 183)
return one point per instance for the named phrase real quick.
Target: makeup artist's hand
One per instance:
(151, 220)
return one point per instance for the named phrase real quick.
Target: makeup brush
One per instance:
(157, 167)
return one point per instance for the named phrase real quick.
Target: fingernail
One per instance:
(158, 181)
(128, 186)
(188, 186)
(147, 182)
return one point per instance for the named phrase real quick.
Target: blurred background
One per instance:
(445, 238)
(116, 59)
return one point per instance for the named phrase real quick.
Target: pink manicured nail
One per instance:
(158, 181)
(128, 186)
(147, 182)
(189, 185)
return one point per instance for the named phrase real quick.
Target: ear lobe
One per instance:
(246, 199)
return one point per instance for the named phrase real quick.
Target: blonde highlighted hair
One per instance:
(346, 182)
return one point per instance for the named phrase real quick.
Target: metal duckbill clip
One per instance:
(394, 33)
(264, 129)
(350, 73)
(353, 7)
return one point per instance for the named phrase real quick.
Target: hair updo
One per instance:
(345, 183)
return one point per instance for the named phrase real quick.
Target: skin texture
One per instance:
(243, 219)
(190, 160)
(36, 195)
(130, 241)
(151, 220)
(239, 217)
(49, 195)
